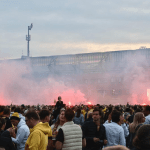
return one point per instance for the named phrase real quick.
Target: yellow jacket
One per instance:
(38, 138)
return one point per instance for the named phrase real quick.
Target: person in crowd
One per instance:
(12, 110)
(142, 138)
(59, 103)
(5, 136)
(108, 114)
(62, 109)
(57, 109)
(59, 123)
(109, 118)
(86, 114)
(83, 110)
(79, 118)
(94, 132)
(138, 121)
(122, 123)
(18, 110)
(114, 132)
(147, 114)
(128, 112)
(6, 115)
(1, 110)
(89, 117)
(131, 117)
(22, 108)
(45, 117)
(102, 109)
(38, 138)
(22, 131)
(55, 127)
(69, 135)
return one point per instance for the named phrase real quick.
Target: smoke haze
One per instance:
(126, 81)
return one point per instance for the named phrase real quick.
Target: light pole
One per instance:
(28, 38)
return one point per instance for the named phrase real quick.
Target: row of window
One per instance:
(90, 58)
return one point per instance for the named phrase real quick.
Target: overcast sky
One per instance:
(72, 26)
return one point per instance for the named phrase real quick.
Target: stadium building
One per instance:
(108, 77)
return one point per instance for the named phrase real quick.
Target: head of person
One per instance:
(44, 115)
(109, 116)
(13, 109)
(69, 114)
(122, 118)
(146, 110)
(18, 110)
(22, 106)
(59, 98)
(138, 119)
(15, 119)
(142, 138)
(2, 124)
(116, 116)
(90, 114)
(6, 112)
(128, 110)
(32, 118)
(96, 114)
(62, 115)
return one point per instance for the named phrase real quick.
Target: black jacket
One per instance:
(59, 105)
(8, 123)
(89, 129)
(5, 141)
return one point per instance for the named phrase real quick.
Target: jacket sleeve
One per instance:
(122, 138)
(84, 130)
(126, 131)
(34, 142)
(20, 136)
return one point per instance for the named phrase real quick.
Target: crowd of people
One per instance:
(79, 127)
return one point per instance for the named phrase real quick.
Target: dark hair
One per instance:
(59, 97)
(78, 112)
(97, 109)
(18, 110)
(14, 118)
(6, 111)
(44, 113)
(138, 110)
(2, 122)
(2, 108)
(32, 114)
(13, 108)
(127, 110)
(117, 108)
(69, 114)
(135, 107)
(115, 116)
(142, 138)
(147, 108)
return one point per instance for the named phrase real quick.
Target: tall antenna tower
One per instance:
(28, 38)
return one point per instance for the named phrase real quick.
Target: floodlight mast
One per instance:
(28, 38)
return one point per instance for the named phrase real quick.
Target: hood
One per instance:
(22, 122)
(44, 127)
